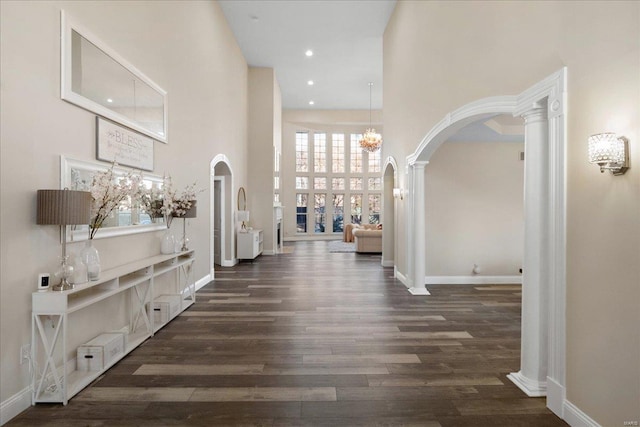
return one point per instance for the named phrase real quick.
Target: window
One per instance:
(302, 182)
(320, 183)
(337, 183)
(356, 154)
(338, 213)
(319, 212)
(375, 162)
(302, 152)
(356, 208)
(320, 152)
(355, 183)
(374, 208)
(301, 212)
(375, 183)
(337, 160)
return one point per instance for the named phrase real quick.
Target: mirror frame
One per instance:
(242, 194)
(67, 26)
(73, 233)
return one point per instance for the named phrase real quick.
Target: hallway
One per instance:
(319, 338)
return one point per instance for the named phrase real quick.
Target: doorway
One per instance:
(221, 241)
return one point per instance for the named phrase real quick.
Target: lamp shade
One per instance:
(63, 207)
(243, 216)
(191, 213)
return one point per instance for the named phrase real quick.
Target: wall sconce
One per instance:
(609, 151)
(398, 193)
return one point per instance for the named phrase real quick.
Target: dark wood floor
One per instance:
(320, 339)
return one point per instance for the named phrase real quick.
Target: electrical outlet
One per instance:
(25, 353)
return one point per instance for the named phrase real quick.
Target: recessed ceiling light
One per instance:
(254, 18)
(311, 102)
(309, 52)
(109, 100)
(310, 82)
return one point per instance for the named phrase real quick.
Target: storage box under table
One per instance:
(165, 308)
(100, 351)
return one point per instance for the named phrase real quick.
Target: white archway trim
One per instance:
(391, 161)
(229, 259)
(389, 211)
(549, 94)
(454, 121)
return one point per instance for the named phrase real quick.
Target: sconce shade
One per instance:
(608, 151)
(398, 193)
(63, 207)
(191, 213)
(243, 216)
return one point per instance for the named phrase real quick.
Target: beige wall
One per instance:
(185, 47)
(502, 48)
(474, 200)
(265, 107)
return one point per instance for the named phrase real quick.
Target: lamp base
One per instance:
(64, 285)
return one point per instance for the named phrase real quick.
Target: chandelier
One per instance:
(370, 141)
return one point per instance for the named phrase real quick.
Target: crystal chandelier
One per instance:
(370, 141)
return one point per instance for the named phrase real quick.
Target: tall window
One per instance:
(356, 154)
(319, 211)
(302, 152)
(337, 160)
(374, 208)
(338, 213)
(336, 182)
(301, 212)
(356, 208)
(375, 162)
(320, 152)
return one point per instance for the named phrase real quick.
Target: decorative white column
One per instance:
(532, 377)
(418, 286)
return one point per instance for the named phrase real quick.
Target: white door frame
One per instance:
(223, 224)
(543, 107)
(389, 210)
(228, 232)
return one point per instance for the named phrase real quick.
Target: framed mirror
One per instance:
(128, 218)
(242, 199)
(96, 78)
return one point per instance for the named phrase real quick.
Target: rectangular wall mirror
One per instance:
(98, 79)
(128, 218)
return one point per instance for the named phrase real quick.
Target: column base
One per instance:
(530, 387)
(418, 290)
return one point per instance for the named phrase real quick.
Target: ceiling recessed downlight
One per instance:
(311, 102)
(310, 82)
(309, 52)
(109, 100)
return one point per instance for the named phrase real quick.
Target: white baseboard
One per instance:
(419, 290)
(229, 263)
(472, 280)
(531, 388)
(319, 236)
(14, 405)
(402, 278)
(268, 252)
(386, 263)
(556, 395)
(576, 418)
(202, 282)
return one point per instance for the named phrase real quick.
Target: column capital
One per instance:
(537, 113)
(419, 165)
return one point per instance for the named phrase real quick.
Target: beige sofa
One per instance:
(368, 240)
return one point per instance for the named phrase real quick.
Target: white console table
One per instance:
(58, 379)
(250, 244)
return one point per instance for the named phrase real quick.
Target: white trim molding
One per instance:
(14, 405)
(401, 277)
(472, 280)
(419, 290)
(576, 418)
(203, 281)
(387, 263)
(530, 387)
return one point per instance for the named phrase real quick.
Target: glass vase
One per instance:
(168, 243)
(91, 259)
(80, 273)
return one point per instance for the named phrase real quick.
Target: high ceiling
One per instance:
(344, 35)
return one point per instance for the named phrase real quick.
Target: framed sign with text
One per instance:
(126, 147)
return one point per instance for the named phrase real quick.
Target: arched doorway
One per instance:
(390, 181)
(221, 242)
(544, 278)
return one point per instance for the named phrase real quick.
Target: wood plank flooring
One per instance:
(312, 338)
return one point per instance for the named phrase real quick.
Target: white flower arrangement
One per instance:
(108, 192)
